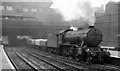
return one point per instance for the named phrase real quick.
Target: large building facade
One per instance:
(109, 23)
(35, 19)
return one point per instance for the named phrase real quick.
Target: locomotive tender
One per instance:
(81, 44)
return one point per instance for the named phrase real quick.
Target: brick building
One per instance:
(34, 19)
(108, 23)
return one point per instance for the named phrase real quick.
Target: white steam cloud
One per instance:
(78, 9)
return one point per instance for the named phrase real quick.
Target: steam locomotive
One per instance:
(81, 44)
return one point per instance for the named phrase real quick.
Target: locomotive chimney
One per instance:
(91, 26)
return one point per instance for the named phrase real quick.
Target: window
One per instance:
(6, 18)
(9, 8)
(33, 10)
(1, 7)
(19, 9)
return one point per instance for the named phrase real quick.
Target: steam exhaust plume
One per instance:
(78, 9)
(73, 28)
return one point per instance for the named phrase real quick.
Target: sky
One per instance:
(24, 0)
(100, 1)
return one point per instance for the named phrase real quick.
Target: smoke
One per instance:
(74, 28)
(78, 9)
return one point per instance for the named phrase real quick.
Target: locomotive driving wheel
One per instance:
(101, 59)
(89, 58)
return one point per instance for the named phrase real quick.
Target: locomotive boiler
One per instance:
(81, 44)
(91, 37)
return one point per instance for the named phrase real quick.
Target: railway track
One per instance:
(40, 64)
(20, 64)
(59, 65)
(82, 65)
(26, 59)
(91, 66)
